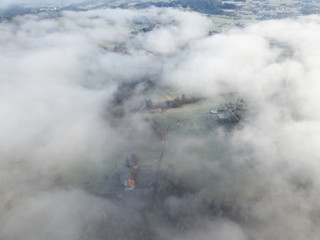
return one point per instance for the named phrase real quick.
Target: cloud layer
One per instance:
(57, 82)
(38, 3)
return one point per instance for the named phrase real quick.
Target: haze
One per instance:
(59, 134)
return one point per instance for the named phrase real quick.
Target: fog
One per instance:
(61, 130)
(38, 3)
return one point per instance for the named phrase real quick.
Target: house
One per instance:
(227, 116)
(126, 179)
(131, 161)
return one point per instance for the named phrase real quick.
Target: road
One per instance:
(163, 134)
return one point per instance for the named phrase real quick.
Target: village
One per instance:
(142, 180)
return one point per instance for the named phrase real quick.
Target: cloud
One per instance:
(274, 157)
(38, 3)
(60, 139)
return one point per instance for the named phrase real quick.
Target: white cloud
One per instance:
(38, 3)
(56, 82)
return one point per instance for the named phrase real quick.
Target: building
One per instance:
(131, 161)
(126, 179)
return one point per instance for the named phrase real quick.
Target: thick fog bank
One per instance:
(59, 85)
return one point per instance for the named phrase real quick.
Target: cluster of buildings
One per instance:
(231, 113)
(270, 9)
(127, 175)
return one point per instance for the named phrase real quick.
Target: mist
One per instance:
(62, 126)
(38, 3)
